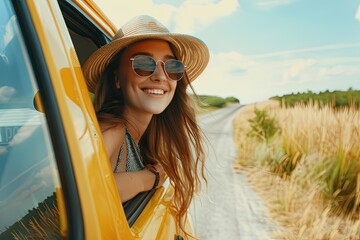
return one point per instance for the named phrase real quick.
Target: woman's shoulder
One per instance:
(114, 130)
(113, 136)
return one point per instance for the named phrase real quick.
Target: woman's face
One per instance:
(149, 94)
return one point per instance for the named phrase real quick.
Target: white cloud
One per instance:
(232, 61)
(256, 79)
(6, 93)
(121, 11)
(297, 68)
(45, 172)
(357, 14)
(231, 74)
(196, 15)
(188, 17)
(337, 70)
(272, 3)
(26, 193)
(24, 185)
(11, 28)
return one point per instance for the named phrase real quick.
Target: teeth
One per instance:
(154, 91)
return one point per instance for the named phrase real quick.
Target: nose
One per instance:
(159, 74)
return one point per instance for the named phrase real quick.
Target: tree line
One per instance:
(336, 99)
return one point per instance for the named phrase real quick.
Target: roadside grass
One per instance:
(307, 170)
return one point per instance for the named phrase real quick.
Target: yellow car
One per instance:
(55, 178)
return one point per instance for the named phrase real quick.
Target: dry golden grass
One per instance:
(313, 137)
(44, 227)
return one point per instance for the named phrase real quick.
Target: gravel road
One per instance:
(229, 208)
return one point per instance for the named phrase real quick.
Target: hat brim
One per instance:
(190, 50)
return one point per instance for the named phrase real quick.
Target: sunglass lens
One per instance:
(175, 69)
(144, 65)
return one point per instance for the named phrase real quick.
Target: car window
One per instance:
(31, 200)
(86, 36)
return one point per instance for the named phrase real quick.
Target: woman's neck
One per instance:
(137, 125)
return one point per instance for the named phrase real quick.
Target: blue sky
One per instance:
(263, 48)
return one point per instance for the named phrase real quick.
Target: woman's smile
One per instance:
(154, 91)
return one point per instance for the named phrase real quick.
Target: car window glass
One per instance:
(30, 192)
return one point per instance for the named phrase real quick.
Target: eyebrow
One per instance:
(151, 55)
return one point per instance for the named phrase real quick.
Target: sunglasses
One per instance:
(145, 66)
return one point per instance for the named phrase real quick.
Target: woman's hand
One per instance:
(159, 175)
(162, 174)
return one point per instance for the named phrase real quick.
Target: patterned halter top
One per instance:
(134, 160)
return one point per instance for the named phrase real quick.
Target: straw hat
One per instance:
(190, 50)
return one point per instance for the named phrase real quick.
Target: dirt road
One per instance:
(229, 209)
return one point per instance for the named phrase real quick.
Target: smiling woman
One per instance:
(56, 180)
(140, 83)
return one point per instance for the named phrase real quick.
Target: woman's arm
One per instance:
(129, 184)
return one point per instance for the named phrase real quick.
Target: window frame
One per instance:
(75, 222)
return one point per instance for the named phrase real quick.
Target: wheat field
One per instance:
(308, 172)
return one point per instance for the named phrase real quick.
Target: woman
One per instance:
(140, 82)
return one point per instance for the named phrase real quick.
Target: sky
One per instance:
(262, 48)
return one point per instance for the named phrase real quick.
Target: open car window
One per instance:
(87, 37)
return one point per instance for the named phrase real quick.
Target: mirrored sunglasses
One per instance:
(145, 66)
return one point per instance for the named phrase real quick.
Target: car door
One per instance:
(53, 162)
(88, 34)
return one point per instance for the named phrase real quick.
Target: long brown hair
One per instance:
(108, 100)
(173, 137)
